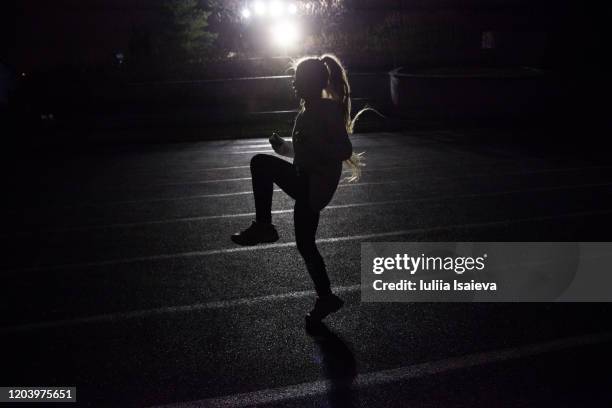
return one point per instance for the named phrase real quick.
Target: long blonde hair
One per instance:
(338, 89)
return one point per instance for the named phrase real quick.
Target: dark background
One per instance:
(122, 181)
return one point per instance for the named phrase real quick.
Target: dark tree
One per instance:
(186, 36)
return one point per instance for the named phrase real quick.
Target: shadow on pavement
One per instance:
(338, 364)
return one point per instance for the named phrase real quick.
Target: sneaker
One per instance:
(257, 233)
(324, 306)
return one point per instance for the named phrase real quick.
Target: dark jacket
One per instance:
(320, 144)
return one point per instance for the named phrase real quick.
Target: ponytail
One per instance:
(340, 90)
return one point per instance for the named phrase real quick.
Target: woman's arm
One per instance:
(281, 146)
(286, 149)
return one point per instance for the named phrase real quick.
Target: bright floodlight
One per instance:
(292, 8)
(260, 8)
(285, 34)
(246, 13)
(276, 8)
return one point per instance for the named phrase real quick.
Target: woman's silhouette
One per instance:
(319, 145)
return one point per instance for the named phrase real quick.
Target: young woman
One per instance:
(319, 145)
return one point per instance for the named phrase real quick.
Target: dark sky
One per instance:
(54, 31)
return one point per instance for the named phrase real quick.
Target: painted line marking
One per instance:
(137, 314)
(321, 387)
(342, 185)
(252, 151)
(198, 169)
(192, 254)
(218, 168)
(365, 169)
(196, 182)
(262, 145)
(288, 211)
(203, 181)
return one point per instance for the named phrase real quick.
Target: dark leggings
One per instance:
(266, 170)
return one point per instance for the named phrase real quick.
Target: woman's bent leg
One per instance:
(265, 171)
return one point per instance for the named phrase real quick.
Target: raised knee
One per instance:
(258, 160)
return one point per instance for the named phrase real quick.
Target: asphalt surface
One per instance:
(119, 278)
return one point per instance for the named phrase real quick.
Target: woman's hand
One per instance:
(276, 141)
(281, 146)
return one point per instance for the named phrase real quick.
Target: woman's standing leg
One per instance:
(306, 222)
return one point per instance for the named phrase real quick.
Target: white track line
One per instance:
(265, 145)
(179, 170)
(162, 200)
(321, 387)
(200, 170)
(221, 168)
(287, 211)
(188, 183)
(342, 185)
(201, 182)
(346, 171)
(192, 254)
(138, 314)
(197, 182)
(252, 151)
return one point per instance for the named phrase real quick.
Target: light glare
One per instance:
(276, 8)
(260, 8)
(292, 8)
(285, 34)
(246, 13)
